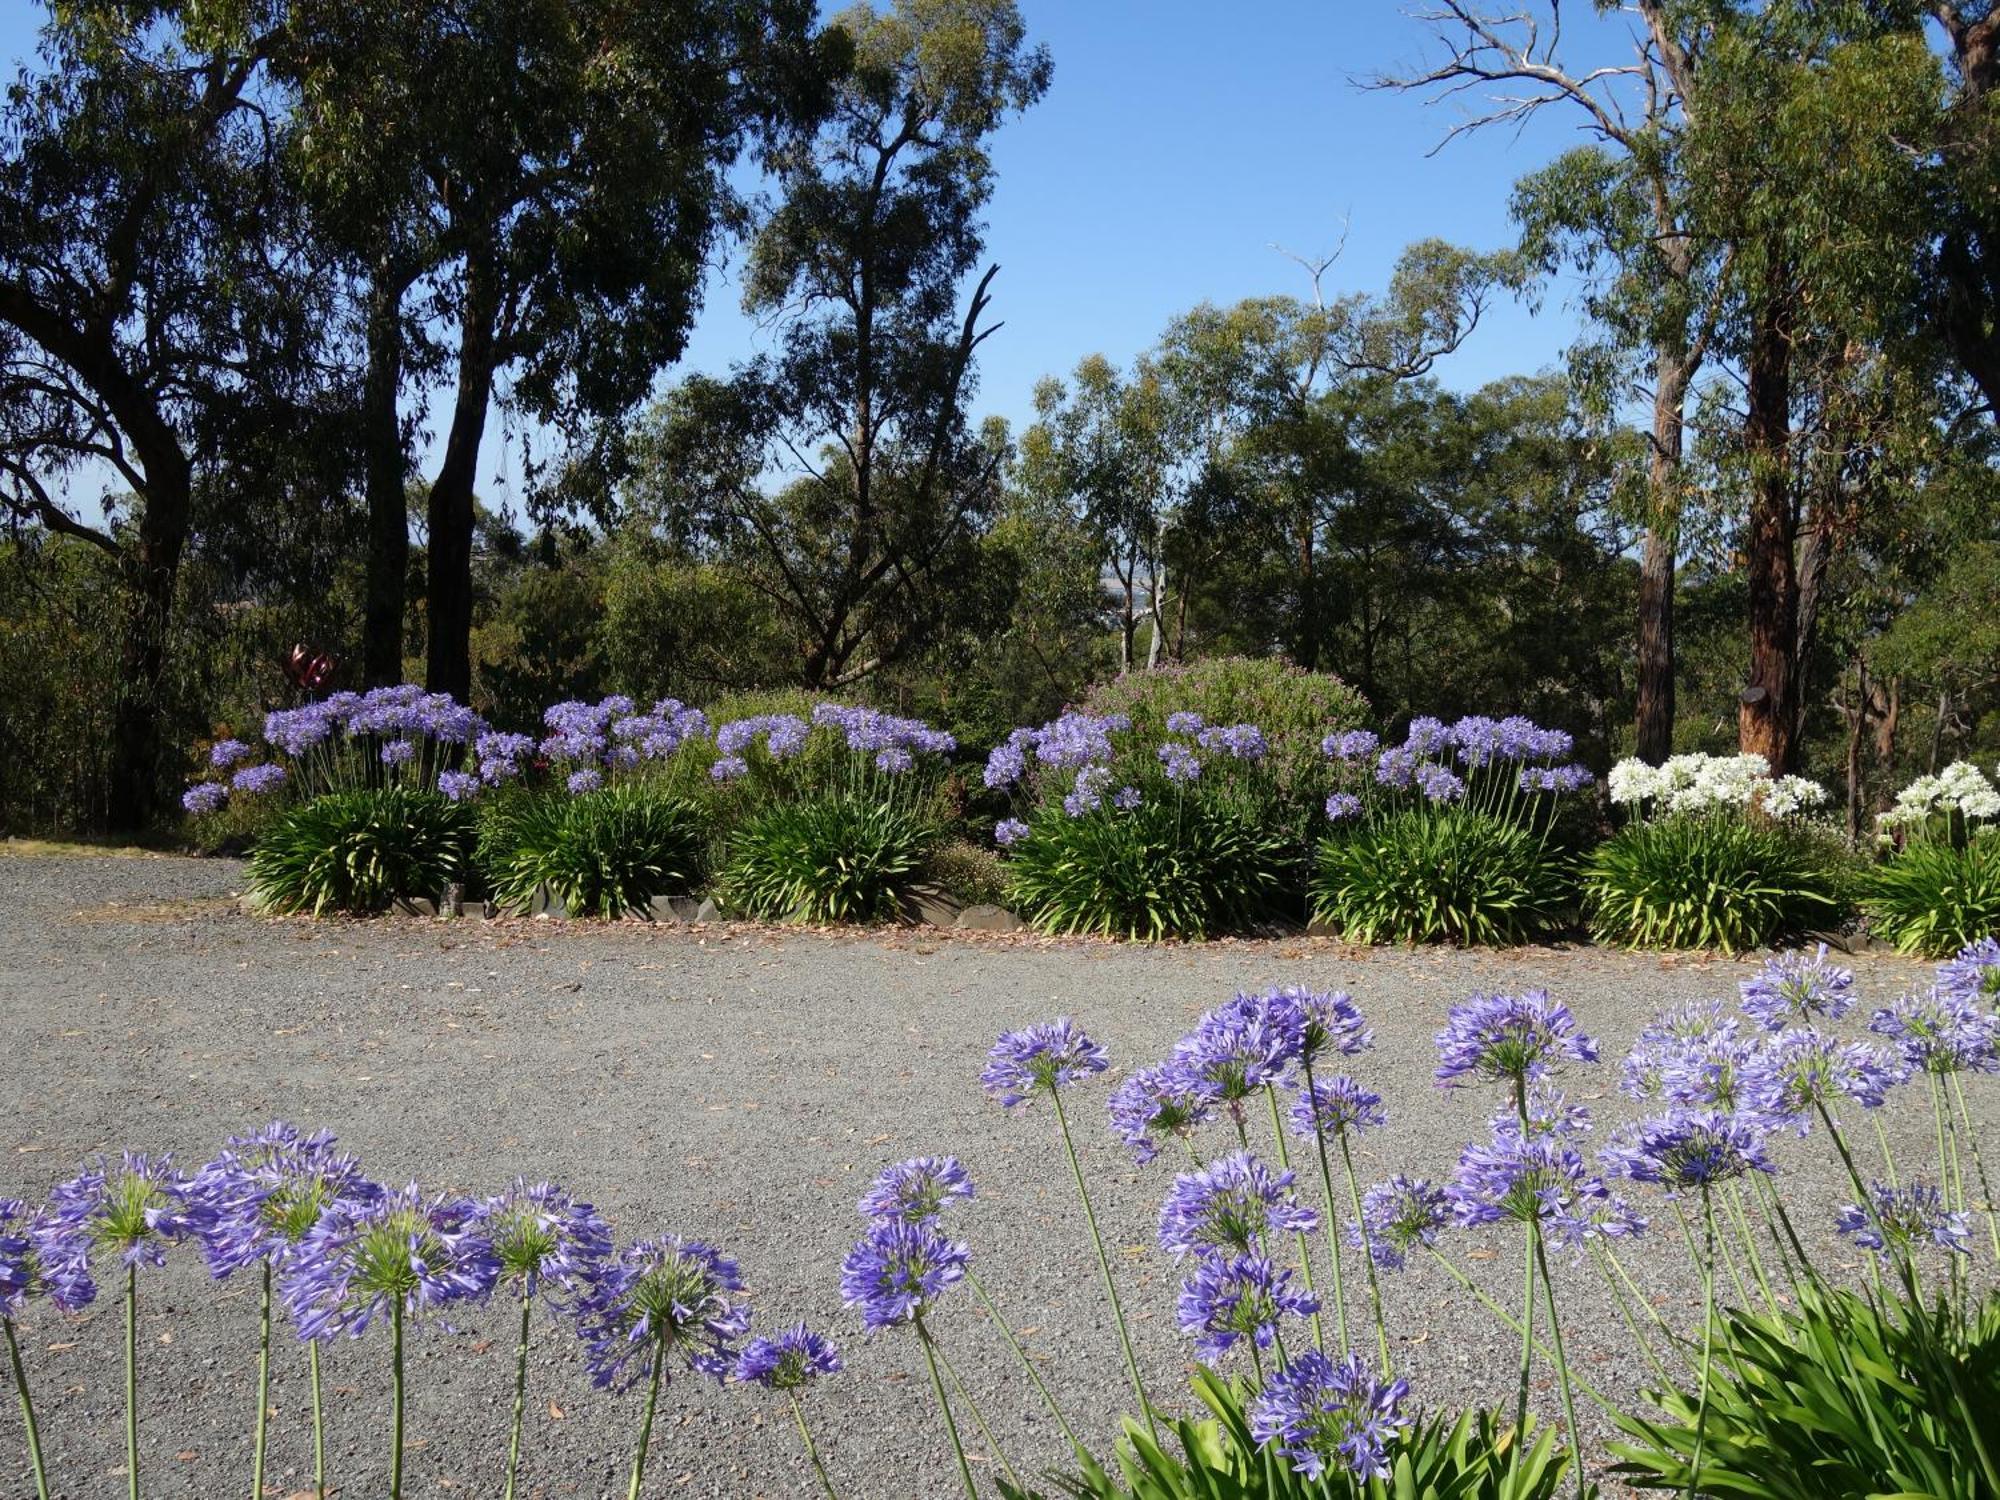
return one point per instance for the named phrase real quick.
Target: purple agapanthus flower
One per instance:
(893, 760)
(1396, 769)
(1940, 1031)
(363, 1258)
(1398, 1216)
(134, 1208)
(1323, 1413)
(1154, 1103)
(1333, 1023)
(1335, 1107)
(1230, 1205)
(458, 786)
(728, 768)
(399, 752)
(1087, 794)
(589, 779)
(204, 797)
(1531, 1179)
(1509, 1039)
(263, 1193)
(1009, 831)
(1238, 741)
(665, 1299)
(1126, 798)
(1230, 1298)
(1045, 1056)
(226, 753)
(540, 1233)
(1178, 763)
(1438, 784)
(26, 1271)
(897, 1271)
(1238, 1048)
(1688, 1148)
(254, 781)
(1342, 807)
(1804, 1070)
(1973, 973)
(916, 1191)
(787, 1361)
(1901, 1219)
(1698, 1027)
(1185, 721)
(1711, 1073)
(1797, 987)
(1546, 1113)
(1349, 744)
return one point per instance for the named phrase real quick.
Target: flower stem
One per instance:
(1562, 1361)
(1513, 1325)
(1527, 1357)
(1707, 1343)
(646, 1422)
(1027, 1364)
(1631, 1323)
(520, 1395)
(1305, 1250)
(944, 1408)
(263, 1385)
(319, 1425)
(812, 1452)
(1104, 1266)
(396, 1398)
(27, 1412)
(1367, 1257)
(1978, 1163)
(978, 1416)
(132, 1381)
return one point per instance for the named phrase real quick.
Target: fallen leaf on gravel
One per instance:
(166, 1338)
(482, 1345)
(58, 1348)
(187, 1455)
(1481, 1254)
(556, 1413)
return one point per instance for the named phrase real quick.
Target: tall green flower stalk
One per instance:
(944, 1410)
(1707, 1263)
(27, 1411)
(1305, 1248)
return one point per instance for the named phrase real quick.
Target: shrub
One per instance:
(842, 858)
(1933, 899)
(968, 873)
(360, 851)
(1161, 869)
(602, 854)
(1842, 1397)
(1709, 881)
(1453, 875)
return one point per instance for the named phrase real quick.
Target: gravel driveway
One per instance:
(735, 1084)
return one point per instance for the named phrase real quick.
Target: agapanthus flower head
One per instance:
(1797, 987)
(1005, 763)
(40, 1259)
(1898, 1220)
(916, 1191)
(255, 781)
(1324, 1413)
(1398, 1216)
(1342, 807)
(1333, 1022)
(263, 1193)
(134, 1208)
(398, 752)
(1086, 795)
(1178, 763)
(1426, 736)
(205, 797)
(363, 1258)
(1238, 1048)
(1350, 744)
(1396, 768)
(1009, 831)
(893, 760)
(1692, 1029)
(670, 1299)
(1185, 721)
(458, 786)
(1042, 1057)
(1126, 798)
(589, 779)
(1230, 1298)
(898, 1270)
(1688, 1148)
(1509, 1039)
(226, 753)
(540, 1233)
(1238, 741)
(1230, 1206)
(1335, 1107)
(787, 1361)
(1973, 973)
(1077, 739)
(1527, 1178)
(1547, 1113)
(1936, 1030)
(1439, 784)
(1154, 1103)
(1803, 1070)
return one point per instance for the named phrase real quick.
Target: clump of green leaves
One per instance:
(1169, 867)
(1710, 882)
(361, 851)
(1932, 899)
(600, 854)
(967, 872)
(1843, 1396)
(837, 858)
(1426, 875)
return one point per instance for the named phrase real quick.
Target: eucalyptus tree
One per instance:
(158, 310)
(532, 195)
(842, 468)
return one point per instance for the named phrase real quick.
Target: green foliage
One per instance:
(601, 854)
(1842, 1397)
(1167, 868)
(969, 873)
(1931, 899)
(1469, 1458)
(360, 851)
(1709, 882)
(838, 858)
(1453, 874)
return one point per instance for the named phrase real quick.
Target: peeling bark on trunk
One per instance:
(385, 472)
(1659, 556)
(1767, 715)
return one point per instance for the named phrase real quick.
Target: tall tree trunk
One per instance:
(1305, 646)
(385, 466)
(1660, 554)
(1856, 711)
(152, 568)
(448, 663)
(1767, 715)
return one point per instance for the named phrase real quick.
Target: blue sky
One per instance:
(1179, 142)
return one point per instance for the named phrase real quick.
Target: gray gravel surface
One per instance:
(736, 1084)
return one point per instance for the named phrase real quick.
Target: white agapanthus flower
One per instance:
(1960, 787)
(1709, 783)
